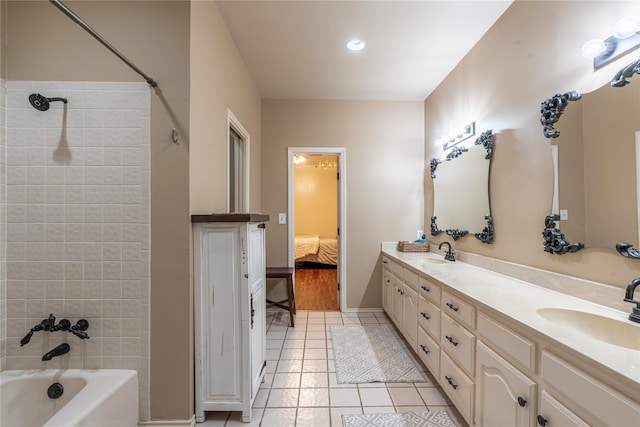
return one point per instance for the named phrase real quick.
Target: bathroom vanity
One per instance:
(511, 353)
(229, 311)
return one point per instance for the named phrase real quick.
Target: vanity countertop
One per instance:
(520, 301)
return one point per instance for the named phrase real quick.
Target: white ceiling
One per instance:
(296, 49)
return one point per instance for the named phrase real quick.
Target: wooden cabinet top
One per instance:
(230, 217)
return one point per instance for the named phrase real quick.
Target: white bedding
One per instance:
(327, 252)
(305, 245)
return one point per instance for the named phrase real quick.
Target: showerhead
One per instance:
(41, 103)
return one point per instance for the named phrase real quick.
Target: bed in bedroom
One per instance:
(316, 249)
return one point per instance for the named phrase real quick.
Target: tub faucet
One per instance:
(449, 256)
(56, 351)
(628, 297)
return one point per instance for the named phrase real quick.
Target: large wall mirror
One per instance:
(461, 191)
(596, 145)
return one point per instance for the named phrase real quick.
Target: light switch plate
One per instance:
(564, 214)
(282, 218)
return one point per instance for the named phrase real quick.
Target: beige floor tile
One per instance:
(315, 344)
(316, 397)
(266, 383)
(293, 343)
(369, 321)
(283, 398)
(279, 335)
(289, 366)
(375, 397)
(378, 409)
(433, 396)
(215, 419)
(316, 335)
(333, 382)
(313, 417)
(316, 314)
(315, 353)
(372, 385)
(319, 365)
(273, 354)
(275, 344)
(235, 420)
(314, 379)
(405, 397)
(279, 417)
(286, 380)
(400, 385)
(404, 409)
(344, 397)
(291, 353)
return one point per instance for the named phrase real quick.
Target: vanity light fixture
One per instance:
(626, 37)
(457, 137)
(356, 45)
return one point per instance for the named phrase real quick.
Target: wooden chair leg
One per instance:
(292, 307)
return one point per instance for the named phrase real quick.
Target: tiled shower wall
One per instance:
(3, 230)
(78, 224)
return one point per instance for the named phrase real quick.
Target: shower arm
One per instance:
(75, 18)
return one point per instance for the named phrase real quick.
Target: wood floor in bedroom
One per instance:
(316, 289)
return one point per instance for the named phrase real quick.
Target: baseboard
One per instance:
(362, 310)
(170, 423)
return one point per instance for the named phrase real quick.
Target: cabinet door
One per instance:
(258, 343)
(410, 316)
(396, 301)
(504, 396)
(386, 290)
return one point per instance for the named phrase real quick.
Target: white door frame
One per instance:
(233, 122)
(341, 152)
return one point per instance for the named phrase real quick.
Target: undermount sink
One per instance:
(427, 261)
(612, 331)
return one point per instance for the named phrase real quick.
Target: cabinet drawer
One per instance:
(429, 318)
(512, 346)
(459, 310)
(458, 342)
(429, 352)
(458, 387)
(392, 266)
(429, 290)
(410, 277)
(555, 413)
(587, 396)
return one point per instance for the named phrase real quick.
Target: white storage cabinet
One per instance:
(229, 309)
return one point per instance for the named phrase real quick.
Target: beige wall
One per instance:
(384, 173)
(316, 198)
(531, 53)
(219, 81)
(43, 44)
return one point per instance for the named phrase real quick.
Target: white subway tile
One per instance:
(92, 232)
(112, 270)
(114, 156)
(73, 270)
(93, 251)
(17, 137)
(36, 175)
(16, 175)
(73, 213)
(112, 137)
(55, 233)
(54, 194)
(16, 251)
(92, 270)
(112, 289)
(112, 213)
(53, 305)
(16, 156)
(35, 233)
(73, 251)
(35, 289)
(93, 156)
(16, 214)
(37, 119)
(94, 137)
(74, 289)
(92, 214)
(36, 251)
(36, 270)
(73, 232)
(54, 288)
(55, 250)
(112, 251)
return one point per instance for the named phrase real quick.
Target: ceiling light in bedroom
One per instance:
(327, 164)
(298, 159)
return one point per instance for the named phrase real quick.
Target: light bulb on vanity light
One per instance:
(626, 27)
(593, 48)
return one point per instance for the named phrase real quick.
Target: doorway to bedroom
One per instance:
(316, 231)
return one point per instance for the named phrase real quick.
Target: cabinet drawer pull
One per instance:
(423, 314)
(542, 420)
(401, 292)
(384, 262)
(455, 386)
(452, 307)
(424, 349)
(522, 401)
(426, 289)
(253, 311)
(451, 340)
(388, 281)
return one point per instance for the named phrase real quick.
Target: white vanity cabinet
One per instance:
(497, 368)
(229, 311)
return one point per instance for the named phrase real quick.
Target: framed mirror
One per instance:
(596, 148)
(461, 191)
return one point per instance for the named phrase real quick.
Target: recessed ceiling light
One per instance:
(355, 45)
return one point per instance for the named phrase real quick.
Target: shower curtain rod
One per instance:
(75, 18)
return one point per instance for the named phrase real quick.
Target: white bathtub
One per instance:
(95, 398)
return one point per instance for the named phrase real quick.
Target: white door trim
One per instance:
(341, 152)
(233, 122)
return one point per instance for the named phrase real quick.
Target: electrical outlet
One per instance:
(564, 214)
(282, 218)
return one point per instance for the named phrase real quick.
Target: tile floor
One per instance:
(301, 389)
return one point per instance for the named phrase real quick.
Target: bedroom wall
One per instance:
(384, 144)
(531, 53)
(316, 198)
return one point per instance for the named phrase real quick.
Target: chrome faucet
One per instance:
(449, 256)
(628, 297)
